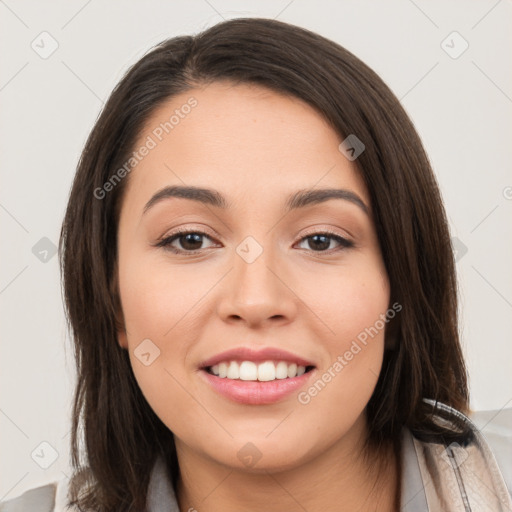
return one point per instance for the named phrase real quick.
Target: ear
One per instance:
(122, 337)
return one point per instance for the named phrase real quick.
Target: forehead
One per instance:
(240, 138)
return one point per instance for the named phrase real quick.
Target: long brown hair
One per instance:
(122, 435)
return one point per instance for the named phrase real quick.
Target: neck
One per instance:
(340, 477)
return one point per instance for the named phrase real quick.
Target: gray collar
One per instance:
(413, 497)
(161, 497)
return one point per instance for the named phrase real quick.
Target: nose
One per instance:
(257, 293)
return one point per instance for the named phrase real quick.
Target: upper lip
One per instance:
(249, 354)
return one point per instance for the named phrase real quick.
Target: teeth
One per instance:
(266, 371)
(233, 372)
(248, 370)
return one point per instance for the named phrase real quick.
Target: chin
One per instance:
(261, 454)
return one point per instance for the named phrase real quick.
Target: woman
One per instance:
(261, 288)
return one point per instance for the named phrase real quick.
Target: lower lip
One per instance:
(256, 392)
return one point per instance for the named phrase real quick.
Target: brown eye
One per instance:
(190, 241)
(320, 242)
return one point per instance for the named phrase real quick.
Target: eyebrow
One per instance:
(298, 199)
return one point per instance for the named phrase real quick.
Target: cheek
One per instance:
(352, 305)
(348, 302)
(155, 296)
(158, 305)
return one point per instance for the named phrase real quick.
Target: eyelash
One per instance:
(166, 242)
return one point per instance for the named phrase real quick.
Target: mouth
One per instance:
(256, 377)
(248, 383)
(265, 371)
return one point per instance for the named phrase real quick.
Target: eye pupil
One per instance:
(191, 238)
(324, 244)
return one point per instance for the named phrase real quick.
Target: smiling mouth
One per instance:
(263, 372)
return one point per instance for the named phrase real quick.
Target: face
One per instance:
(252, 274)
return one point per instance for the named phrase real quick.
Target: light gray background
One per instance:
(461, 108)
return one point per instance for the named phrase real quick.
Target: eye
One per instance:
(191, 241)
(322, 241)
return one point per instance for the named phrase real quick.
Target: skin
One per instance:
(255, 147)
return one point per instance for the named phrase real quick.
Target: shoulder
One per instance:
(46, 498)
(39, 499)
(472, 466)
(496, 428)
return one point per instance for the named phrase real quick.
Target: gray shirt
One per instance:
(472, 478)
